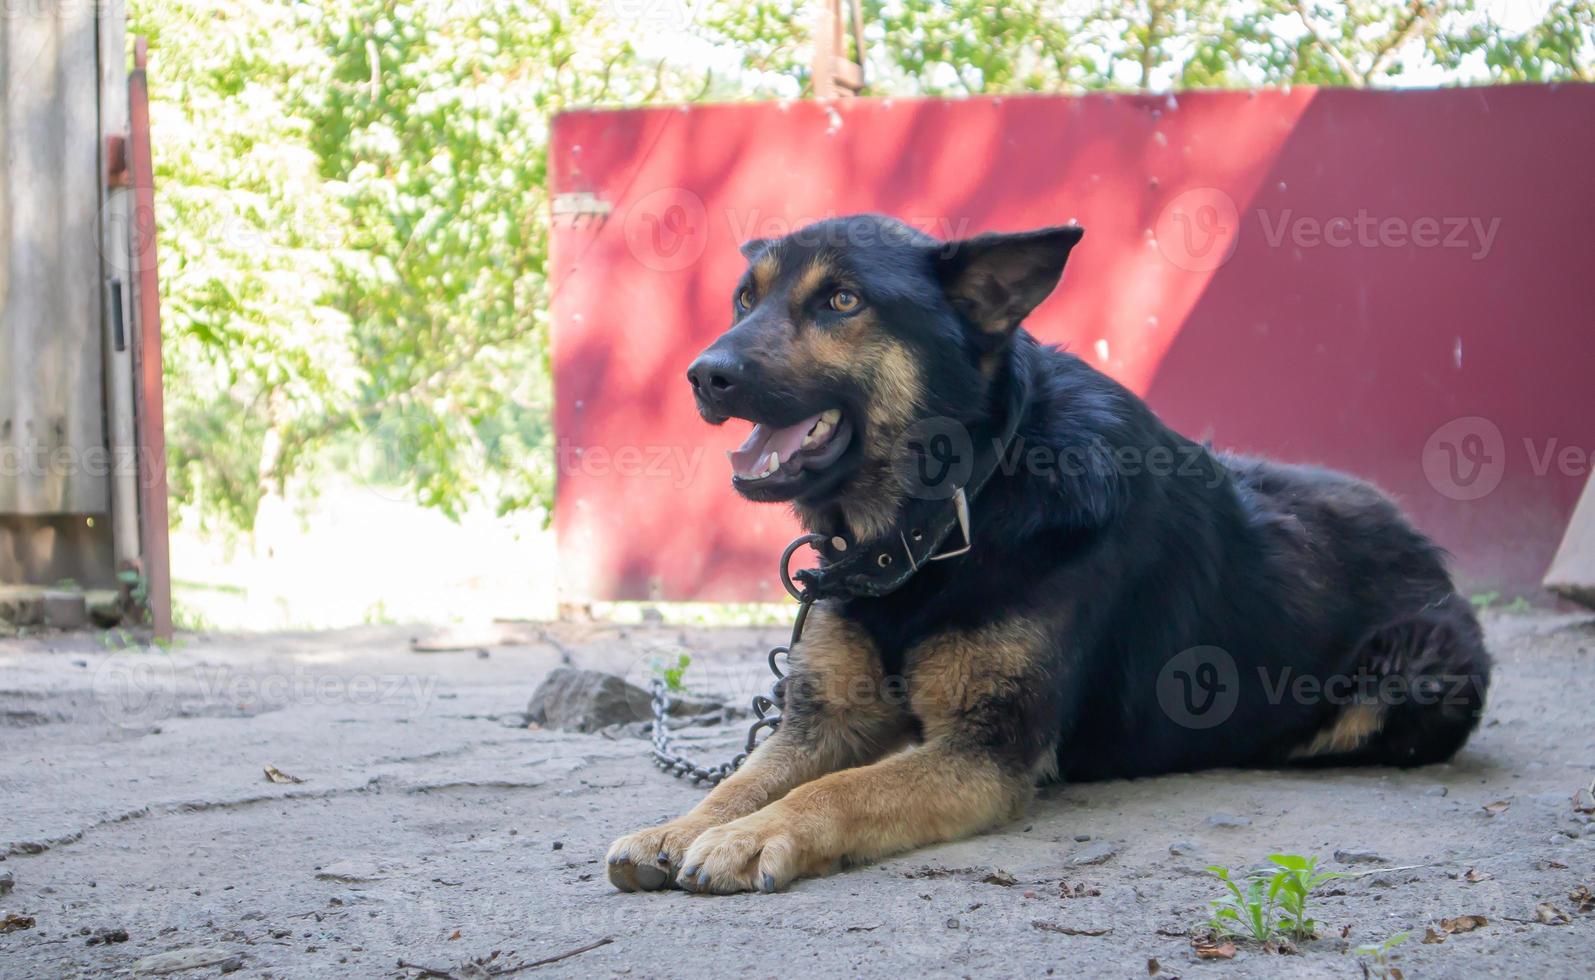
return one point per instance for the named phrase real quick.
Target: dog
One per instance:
(1025, 575)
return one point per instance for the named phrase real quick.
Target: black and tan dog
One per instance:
(1129, 603)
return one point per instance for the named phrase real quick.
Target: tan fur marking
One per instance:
(765, 269)
(811, 279)
(840, 670)
(953, 672)
(898, 389)
(1351, 728)
(859, 350)
(933, 792)
(853, 724)
(871, 507)
(926, 794)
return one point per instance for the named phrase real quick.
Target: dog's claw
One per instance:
(767, 885)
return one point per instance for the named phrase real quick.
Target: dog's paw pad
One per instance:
(647, 860)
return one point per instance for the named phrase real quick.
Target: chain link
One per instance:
(766, 707)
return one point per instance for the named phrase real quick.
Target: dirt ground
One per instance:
(141, 835)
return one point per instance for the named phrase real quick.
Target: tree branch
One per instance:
(1416, 16)
(1347, 66)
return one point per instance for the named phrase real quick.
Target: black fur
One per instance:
(1292, 571)
(1134, 545)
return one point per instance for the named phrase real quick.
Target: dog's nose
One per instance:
(714, 377)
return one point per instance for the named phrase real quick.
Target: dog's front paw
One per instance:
(756, 853)
(649, 859)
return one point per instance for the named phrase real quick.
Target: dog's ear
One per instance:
(753, 246)
(996, 280)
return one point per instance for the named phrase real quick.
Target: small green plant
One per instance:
(137, 586)
(671, 674)
(1296, 879)
(1378, 955)
(173, 645)
(1482, 601)
(1246, 910)
(1270, 903)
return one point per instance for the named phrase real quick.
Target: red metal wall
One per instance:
(1400, 284)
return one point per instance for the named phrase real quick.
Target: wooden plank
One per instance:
(52, 440)
(116, 235)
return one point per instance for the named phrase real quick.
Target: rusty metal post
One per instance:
(153, 520)
(834, 73)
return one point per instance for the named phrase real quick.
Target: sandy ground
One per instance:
(433, 826)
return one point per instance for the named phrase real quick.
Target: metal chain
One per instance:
(766, 707)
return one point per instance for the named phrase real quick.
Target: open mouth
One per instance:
(773, 456)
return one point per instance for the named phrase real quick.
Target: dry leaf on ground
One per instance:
(1499, 806)
(1001, 877)
(14, 922)
(275, 775)
(1474, 876)
(1463, 923)
(1215, 951)
(1551, 915)
(1582, 898)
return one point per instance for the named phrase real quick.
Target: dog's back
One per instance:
(1249, 612)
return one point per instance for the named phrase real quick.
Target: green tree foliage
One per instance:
(957, 47)
(354, 227)
(354, 232)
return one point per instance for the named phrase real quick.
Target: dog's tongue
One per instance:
(748, 461)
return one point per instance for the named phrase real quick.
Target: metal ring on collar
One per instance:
(786, 559)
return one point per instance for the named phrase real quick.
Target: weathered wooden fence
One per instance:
(75, 479)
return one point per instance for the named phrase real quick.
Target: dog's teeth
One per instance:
(817, 434)
(771, 463)
(831, 416)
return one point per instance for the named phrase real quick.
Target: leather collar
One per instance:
(963, 461)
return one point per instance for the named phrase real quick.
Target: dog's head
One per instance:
(845, 334)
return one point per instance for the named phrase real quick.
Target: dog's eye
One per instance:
(745, 300)
(843, 301)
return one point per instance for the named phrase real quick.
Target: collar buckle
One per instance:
(961, 508)
(960, 502)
